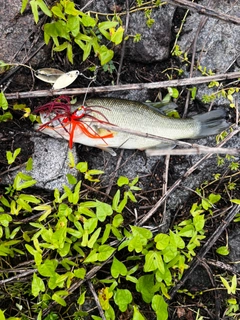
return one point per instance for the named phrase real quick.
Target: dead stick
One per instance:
(205, 11)
(134, 86)
(206, 247)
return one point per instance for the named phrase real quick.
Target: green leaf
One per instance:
(37, 285)
(162, 241)
(34, 7)
(3, 101)
(44, 8)
(105, 252)
(160, 307)
(224, 251)
(47, 269)
(106, 233)
(71, 179)
(122, 181)
(137, 314)
(153, 261)
(6, 116)
(118, 268)
(122, 298)
(105, 55)
(103, 210)
(57, 297)
(94, 238)
(117, 220)
(57, 11)
(237, 201)
(117, 36)
(145, 285)
(87, 21)
(29, 164)
(24, 5)
(5, 219)
(103, 26)
(70, 8)
(80, 273)
(73, 25)
(82, 166)
(199, 222)
(11, 157)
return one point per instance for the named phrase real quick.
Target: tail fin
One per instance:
(212, 122)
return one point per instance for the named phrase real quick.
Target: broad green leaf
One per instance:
(169, 253)
(11, 157)
(37, 285)
(122, 181)
(162, 240)
(117, 220)
(105, 55)
(103, 210)
(145, 285)
(80, 273)
(137, 314)
(122, 298)
(88, 21)
(3, 101)
(92, 257)
(6, 116)
(57, 11)
(224, 251)
(117, 36)
(70, 8)
(73, 25)
(153, 261)
(199, 222)
(5, 219)
(103, 26)
(160, 307)
(118, 268)
(105, 252)
(57, 297)
(82, 166)
(47, 269)
(176, 240)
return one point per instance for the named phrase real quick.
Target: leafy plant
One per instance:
(72, 25)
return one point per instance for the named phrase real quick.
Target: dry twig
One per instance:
(134, 86)
(205, 11)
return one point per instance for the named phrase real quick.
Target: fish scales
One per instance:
(135, 116)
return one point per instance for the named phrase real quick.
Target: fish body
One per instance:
(133, 115)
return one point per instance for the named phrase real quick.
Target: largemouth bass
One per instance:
(130, 115)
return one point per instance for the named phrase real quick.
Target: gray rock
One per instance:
(155, 41)
(218, 43)
(50, 164)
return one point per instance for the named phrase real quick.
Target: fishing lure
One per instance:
(59, 112)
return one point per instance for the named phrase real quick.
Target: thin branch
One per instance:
(205, 11)
(134, 86)
(91, 287)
